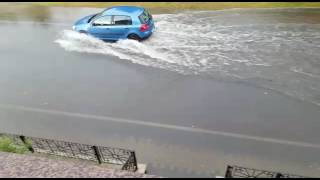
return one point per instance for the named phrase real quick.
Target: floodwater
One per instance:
(208, 89)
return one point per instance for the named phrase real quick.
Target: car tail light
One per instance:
(144, 27)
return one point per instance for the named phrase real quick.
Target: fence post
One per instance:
(133, 154)
(97, 153)
(229, 172)
(29, 146)
(278, 175)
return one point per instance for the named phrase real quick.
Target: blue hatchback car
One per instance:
(119, 22)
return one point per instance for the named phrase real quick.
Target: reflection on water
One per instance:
(11, 11)
(36, 13)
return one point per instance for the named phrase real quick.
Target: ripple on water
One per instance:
(202, 43)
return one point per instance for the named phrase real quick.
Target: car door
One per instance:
(100, 27)
(121, 26)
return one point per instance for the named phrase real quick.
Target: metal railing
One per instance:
(125, 158)
(243, 172)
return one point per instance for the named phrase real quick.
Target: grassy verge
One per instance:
(186, 5)
(8, 145)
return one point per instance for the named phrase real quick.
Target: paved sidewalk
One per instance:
(21, 166)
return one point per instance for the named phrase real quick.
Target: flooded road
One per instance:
(278, 50)
(206, 90)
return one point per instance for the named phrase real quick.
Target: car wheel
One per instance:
(83, 32)
(134, 37)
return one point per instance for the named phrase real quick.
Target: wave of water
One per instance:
(280, 56)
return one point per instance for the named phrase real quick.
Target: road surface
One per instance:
(188, 107)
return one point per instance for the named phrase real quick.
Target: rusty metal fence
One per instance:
(125, 158)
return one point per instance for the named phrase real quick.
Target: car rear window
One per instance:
(145, 17)
(122, 20)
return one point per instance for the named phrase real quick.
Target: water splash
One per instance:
(269, 55)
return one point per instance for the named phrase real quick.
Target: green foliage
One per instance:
(185, 5)
(173, 7)
(8, 145)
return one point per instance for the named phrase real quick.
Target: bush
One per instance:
(8, 145)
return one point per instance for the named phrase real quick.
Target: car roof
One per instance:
(123, 10)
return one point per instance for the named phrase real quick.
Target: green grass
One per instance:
(185, 5)
(8, 145)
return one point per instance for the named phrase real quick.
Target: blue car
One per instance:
(119, 22)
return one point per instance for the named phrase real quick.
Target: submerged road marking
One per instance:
(159, 125)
